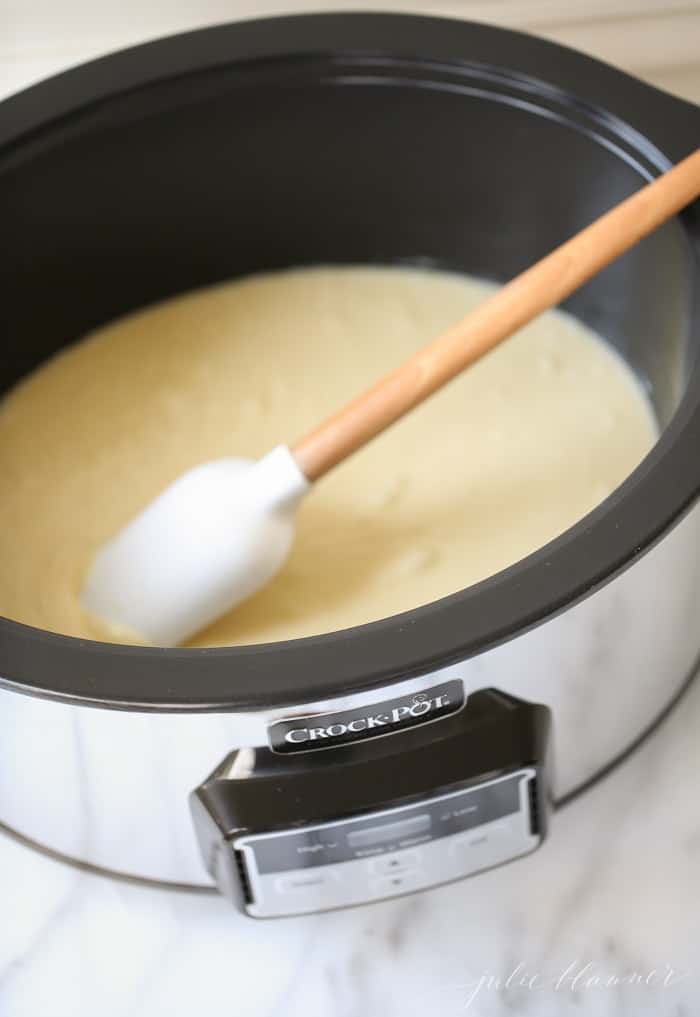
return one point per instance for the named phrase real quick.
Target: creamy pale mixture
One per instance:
(491, 468)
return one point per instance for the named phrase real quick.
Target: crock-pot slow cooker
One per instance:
(392, 756)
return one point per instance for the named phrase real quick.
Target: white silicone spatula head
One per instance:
(212, 538)
(222, 530)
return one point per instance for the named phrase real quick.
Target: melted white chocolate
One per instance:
(504, 459)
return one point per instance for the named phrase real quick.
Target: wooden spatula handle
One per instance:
(545, 284)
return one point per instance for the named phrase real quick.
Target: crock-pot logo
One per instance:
(322, 731)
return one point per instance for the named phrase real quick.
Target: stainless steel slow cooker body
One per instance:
(346, 138)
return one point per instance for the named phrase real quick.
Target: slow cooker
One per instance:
(386, 758)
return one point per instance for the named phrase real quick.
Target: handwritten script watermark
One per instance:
(575, 979)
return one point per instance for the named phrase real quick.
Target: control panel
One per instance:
(388, 852)
(291, 833)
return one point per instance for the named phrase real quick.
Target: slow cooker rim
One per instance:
(553, 578)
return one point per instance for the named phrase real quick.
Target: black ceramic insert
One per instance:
(345, 138)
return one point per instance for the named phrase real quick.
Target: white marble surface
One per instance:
(613, 895)
(603, 921)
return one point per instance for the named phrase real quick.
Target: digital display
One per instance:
(376, 835)
(347, 840)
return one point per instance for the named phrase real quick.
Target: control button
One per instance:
(402, 861)
(482, 841)
(300, 882)
(400, 883)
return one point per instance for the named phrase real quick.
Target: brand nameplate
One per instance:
(327, 730)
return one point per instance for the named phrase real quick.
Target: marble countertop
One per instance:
(603, 920)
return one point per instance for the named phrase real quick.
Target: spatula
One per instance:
(223, 529)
